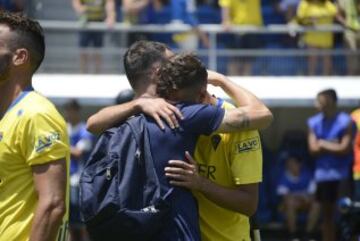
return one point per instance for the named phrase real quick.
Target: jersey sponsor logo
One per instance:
(207, 171)
(46, 141)
(251, 144)
(215, 141)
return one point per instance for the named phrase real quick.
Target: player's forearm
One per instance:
(240, 95)
(259, 115)
(336, 148)
(241, 119)
(111, 116)
(230, 198)
(47, 219)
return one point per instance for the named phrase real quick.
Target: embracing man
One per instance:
(236, 196)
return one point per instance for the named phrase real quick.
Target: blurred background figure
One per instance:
(93, 11)
(12, 5)
(183, 11)
(296, 188)
(356, 168)
(330, 141)
(241, 13)
(81, 142)
(135, 12)
(350, 18)
(317, 13)
(288, 8)
(124, 96)
(133, 9)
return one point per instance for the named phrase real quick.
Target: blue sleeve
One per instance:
(310, 123)
(184, 11)
(202, 119)
(86, 135)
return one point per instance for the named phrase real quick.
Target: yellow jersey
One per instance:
(32, 132)
(243, 12)
(322, 14)
(95, 9)
(228, 160)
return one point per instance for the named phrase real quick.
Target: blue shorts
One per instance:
(91, 38)
(245, 41)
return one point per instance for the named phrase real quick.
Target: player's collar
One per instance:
(219, 102)
(20, 97)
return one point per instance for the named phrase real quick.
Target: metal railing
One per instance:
(213, 30)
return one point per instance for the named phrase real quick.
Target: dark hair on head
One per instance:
(330, 93)
(140, 58)
(29, 35)
(179, 72)
(72, 104)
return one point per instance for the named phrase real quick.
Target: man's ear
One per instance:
(20, 57)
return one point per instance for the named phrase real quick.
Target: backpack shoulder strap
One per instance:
(137, 126)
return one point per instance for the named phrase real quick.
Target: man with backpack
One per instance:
(254, 112)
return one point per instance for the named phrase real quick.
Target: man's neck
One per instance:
(149, 91)
(330, 113)
(9, 91)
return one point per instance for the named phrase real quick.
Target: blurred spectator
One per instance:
(133, 9)
(330, 141)
(12, 5)
(297, 187)
(93, 11)
(238, 13)
(356, 168)
(135, 12)
(183, 12)
(288, 9)
(317, 13)
(350, 18)
(81, 144)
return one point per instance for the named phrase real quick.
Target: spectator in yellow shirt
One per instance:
(241, 13)
(317, 13)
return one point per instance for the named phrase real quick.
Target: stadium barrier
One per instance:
(271, 61)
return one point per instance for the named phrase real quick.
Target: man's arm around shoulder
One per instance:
(251, 113)
(157, 108)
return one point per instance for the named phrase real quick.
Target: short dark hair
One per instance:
(330, 93)
(29, 35)
(140, 58)
(179, 72)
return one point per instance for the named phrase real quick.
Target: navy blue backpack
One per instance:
(120, 195)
